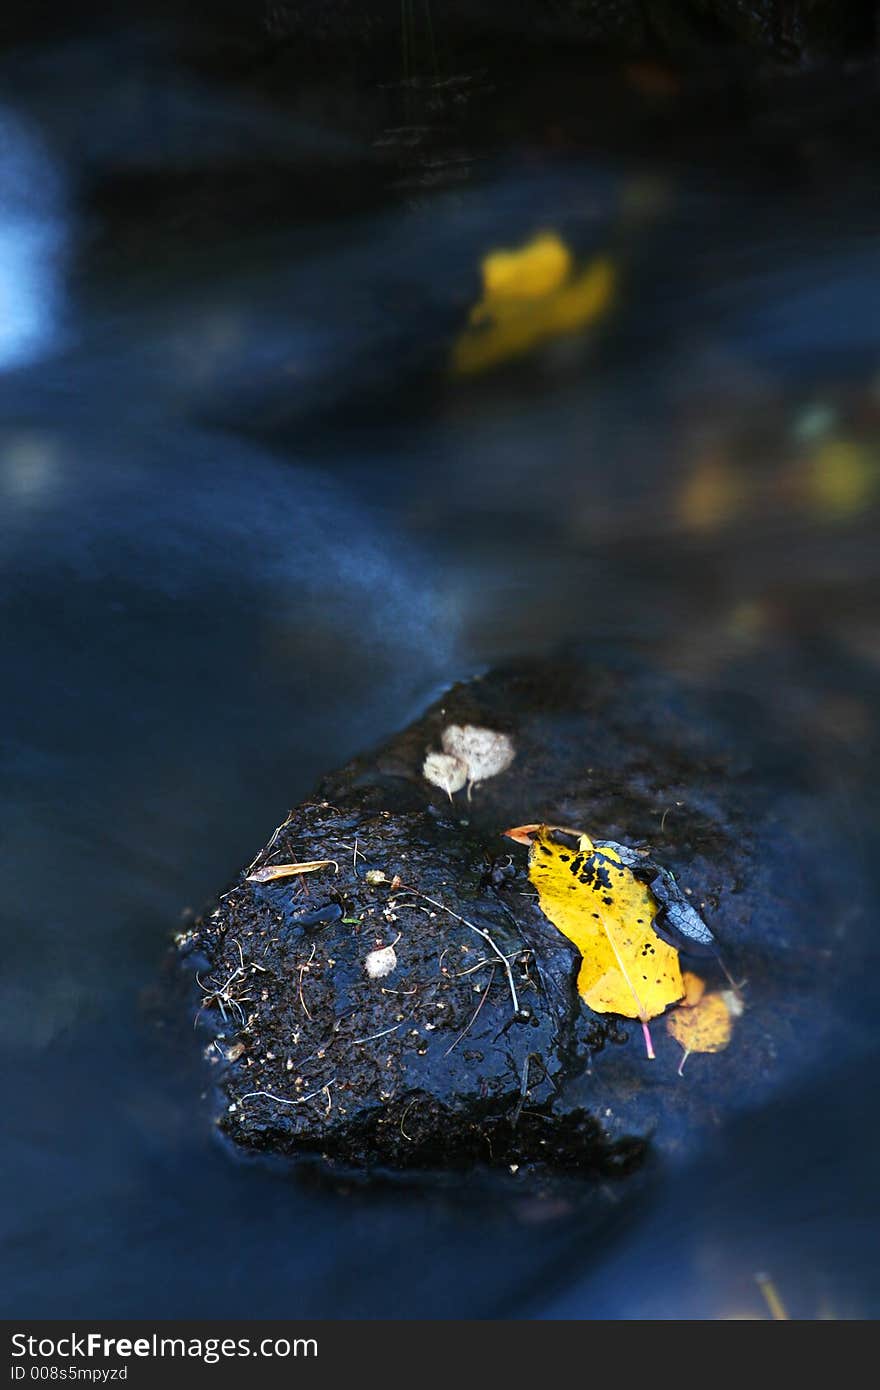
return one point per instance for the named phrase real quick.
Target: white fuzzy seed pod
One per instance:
(380, 963)
(446, 771)
(485, 752)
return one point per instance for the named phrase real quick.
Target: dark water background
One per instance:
(252, 523)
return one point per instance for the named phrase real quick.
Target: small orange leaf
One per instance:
(694, 989)
(704, 1022)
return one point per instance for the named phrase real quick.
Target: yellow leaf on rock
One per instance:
(598, 903)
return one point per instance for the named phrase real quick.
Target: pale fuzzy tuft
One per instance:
(446, 771)
(380, 963)
(484, 751)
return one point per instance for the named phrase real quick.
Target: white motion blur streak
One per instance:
(32, 239)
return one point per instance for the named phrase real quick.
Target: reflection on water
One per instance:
(253, 519)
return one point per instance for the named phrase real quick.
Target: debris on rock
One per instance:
(412, 1006)
(381, 962)
(470, 755)
(485, 752)
(446, 771)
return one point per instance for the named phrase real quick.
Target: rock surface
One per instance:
(473, 1045)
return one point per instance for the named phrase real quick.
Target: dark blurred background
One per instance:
(287, 446)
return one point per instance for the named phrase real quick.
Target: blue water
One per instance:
(250, 526)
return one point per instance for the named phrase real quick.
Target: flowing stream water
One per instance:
(260, 505)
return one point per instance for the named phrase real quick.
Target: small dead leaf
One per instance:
(704, 1022)
(272, 871)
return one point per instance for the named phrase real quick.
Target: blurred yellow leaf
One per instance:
(841, 479)
(771, 1296)
(530, 295)
(531, 273)
(598, 903)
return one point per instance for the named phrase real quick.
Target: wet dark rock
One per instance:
(436, 1063)
(422, 1064)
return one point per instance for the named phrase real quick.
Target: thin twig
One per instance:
(476, 1012)
(221, 996)
(523, 1090)
(302, 969)
(737, 988)
(356, 852)
(413, 907)
(407, 1137)
(482, 963)
(266, 851)
(300, 1100)
(374, 1036)
(480, 932)
(304, 1061)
